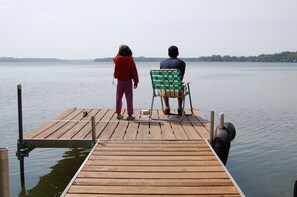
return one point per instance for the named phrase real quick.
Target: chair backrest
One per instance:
(167, 82)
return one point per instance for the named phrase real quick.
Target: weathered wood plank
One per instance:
(155, 158)
(146, 153)
(94, 168)
(154, 182)
(144, 195)
(149, 142)
(153, 190)
(151, 149)
(94, 161)
(167, 145)
(156, 175)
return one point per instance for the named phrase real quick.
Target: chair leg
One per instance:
(151, 112)
(183, 108)
(191, 105)
(162, 104)
(190, 99)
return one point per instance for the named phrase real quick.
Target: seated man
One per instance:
(173, 63)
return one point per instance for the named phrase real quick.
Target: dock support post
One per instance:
(93, 130)
(21, 150)
(221, 120)
(295, 189)
(211, 126)
(4, 173)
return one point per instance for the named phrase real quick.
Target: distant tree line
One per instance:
(12, 59)
(277, 57)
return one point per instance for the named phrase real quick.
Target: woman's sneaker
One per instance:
(120, 116)
(130, 117)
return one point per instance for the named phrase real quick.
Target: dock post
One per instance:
(221, 120)
(93, 129)
(4, 173)
(21, 150)
(211, 126)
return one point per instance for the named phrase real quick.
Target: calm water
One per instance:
(258, 98)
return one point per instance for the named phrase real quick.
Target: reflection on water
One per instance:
(54, 183)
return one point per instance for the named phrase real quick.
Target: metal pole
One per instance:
(211, 126)
(20, 113)
(221, 120)
(20, 141)
(93, 129)
(4, 173)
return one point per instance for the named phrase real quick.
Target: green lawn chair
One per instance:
(167, 82)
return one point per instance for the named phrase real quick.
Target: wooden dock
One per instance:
(72, 129)
(160, 157)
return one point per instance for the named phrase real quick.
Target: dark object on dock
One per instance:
(222, 140)
(85, 113)
(295, 189)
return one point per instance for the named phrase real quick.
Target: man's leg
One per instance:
(180, 103)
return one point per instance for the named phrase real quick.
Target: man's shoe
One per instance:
(180, 111)
(167, 111)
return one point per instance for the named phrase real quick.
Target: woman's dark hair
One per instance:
(173, 51)
(124, 50)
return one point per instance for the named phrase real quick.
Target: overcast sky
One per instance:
(83, 29)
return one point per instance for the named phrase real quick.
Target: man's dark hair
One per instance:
(124, 50)
(173, 51)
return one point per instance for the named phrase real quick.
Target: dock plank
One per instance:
(154, 182)
(153, 190)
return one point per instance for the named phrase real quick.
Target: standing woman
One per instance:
(125, 71)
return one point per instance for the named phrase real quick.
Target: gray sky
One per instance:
(80, 29)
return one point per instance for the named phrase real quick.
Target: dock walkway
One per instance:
(160, 157)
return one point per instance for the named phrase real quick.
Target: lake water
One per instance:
(258, 98)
